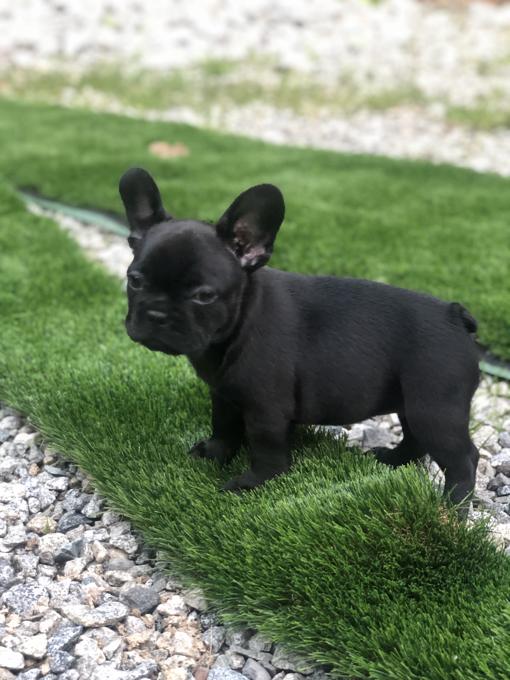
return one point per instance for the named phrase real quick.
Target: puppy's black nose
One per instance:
(156, 316)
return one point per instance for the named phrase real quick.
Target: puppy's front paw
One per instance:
(212, 449)
(248, 480)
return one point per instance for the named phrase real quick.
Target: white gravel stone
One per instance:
(50, 545)
(15, 536)
(35, 646)
(107, 614)
(174, 606)
(42, 524)
(11, 659)
(194, 598)
(89, 648)
(184, 644)
(11, 491)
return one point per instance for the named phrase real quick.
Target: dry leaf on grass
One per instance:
(165, 150)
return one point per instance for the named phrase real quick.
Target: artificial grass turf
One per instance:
(354, 565)
(438, 229)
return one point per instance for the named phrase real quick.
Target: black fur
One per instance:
(278, 349)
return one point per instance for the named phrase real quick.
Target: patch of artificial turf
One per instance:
(356, 566)
(433, 228)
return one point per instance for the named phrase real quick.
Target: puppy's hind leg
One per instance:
(407, 450)
(444, 432)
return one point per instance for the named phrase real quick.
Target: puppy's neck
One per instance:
(211, 364)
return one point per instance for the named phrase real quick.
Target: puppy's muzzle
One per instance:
(157, 317)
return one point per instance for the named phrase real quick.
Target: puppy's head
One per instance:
(187, 277)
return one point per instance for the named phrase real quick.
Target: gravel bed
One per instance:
(457, 53)
(82, 597)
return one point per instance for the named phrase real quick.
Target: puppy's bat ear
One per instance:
(250, 225)
(142, 202)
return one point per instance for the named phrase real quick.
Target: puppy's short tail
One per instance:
(461, 314)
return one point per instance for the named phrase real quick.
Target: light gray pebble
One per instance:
(12, 491)
(238, 637)
(375, 436)
(106, 614)
(214, 638)
(119, 529)
(119, 564)
(34, 646)
(504, 440)
(64, 637)
(95, 534)
(10, 423)
(502, 462)
(24, 599)
(26, 563)
(45, 496)
(158, 581)
(208, 619)
(118, 578)
(8, 465)
(255, 671)
(259, 643)
(146, 669)
(15, 536)
(496, 482)
(15, 510)
(71, 674)
(220, 673)
(93, 508)
(34, 504)
(264, 658)
(57, 483)
(126, 542)
(11, 659)
(32, 674)
(35, 455)
(193, 617)
(60, 662)
(7, 574)
(50, 545)
(503, 490)
(285, 660)
(55, 471)
(74, 500)
(236, 661)
(194, 597)
(109, 517)
(222, 661)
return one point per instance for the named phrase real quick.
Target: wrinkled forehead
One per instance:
(183, 252)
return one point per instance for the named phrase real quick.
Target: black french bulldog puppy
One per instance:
(278, 349)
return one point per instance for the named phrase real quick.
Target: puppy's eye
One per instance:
(135, 280)
(204, 296)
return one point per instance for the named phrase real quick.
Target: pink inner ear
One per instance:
(252, 255)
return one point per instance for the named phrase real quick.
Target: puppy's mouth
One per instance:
(156, 344)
